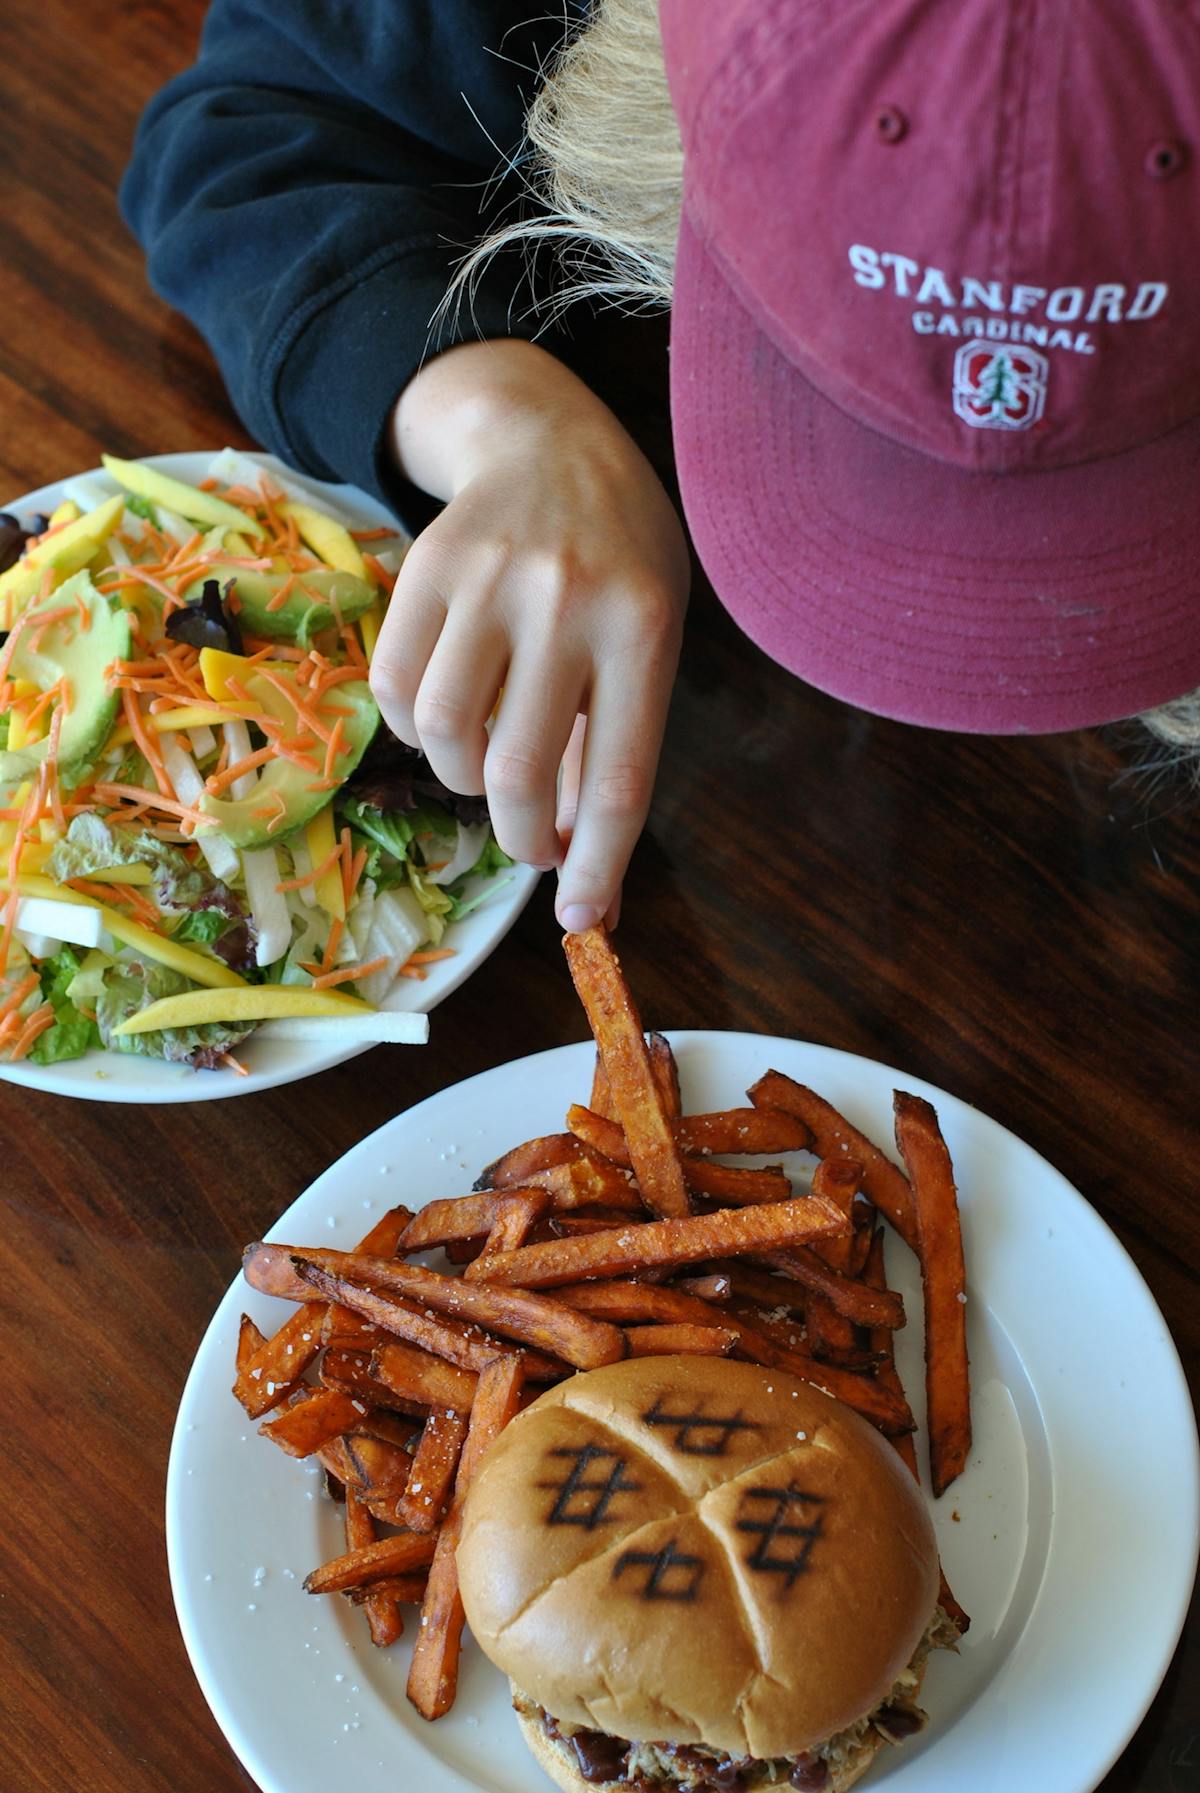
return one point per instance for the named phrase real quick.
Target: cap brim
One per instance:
(991, 603)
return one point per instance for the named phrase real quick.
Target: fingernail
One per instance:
(577, 916)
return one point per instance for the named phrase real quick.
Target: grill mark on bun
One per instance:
(571, 1505)
(690, 1437)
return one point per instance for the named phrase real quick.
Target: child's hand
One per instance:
(558, 572)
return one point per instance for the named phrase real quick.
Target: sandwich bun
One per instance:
(696, 1551)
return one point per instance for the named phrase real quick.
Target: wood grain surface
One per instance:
(1014, 920)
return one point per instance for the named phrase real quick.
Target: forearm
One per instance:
(484, 400)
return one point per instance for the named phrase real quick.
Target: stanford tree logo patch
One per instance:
(999, 387)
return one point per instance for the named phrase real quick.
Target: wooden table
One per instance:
(1014, 920)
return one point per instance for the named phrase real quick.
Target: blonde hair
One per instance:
(606, 175)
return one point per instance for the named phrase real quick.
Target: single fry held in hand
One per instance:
(622, 1236)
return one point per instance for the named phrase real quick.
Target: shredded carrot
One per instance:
(150, 800)
(42, 703)
(315, 875)
(379, 573)
(341, 675)
(186, 671)
(47, 621)
(412, 971)
(356, 871)
(46, 535)
(327, 979)
(233, 1064)
(19, 992)
(281, 597)
(14, 635)
(37, 1024)
(129, 577)
(352, 646)
(238, 496)
(374, 535)
(248, 563)
(429, 957)
(185, 552)
(146, 746)
(336, 930)
(303, 713)
(119, 894)
(150, 688)
(230, 774)
(127, 896)
(334, 746)
(136, 669)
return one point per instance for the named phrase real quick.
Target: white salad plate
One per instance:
(121, 1077)
(1070, 1539)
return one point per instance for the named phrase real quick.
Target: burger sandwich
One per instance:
(701, 1576)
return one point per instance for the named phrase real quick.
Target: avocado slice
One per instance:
(82, 656)
(236, 816)
(308, 608)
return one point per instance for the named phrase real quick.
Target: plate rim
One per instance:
(1174, 1390)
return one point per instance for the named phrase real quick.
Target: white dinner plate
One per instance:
(121, 1077)
(1071, 1537)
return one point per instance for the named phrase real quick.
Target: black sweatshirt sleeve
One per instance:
(305, 189)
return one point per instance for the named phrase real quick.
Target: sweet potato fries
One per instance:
(622, 1235)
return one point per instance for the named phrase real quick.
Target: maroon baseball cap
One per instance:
(935, 347)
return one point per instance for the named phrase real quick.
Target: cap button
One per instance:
(1165, 158)
(891, 125)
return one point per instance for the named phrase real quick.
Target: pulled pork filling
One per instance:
(612, 1762)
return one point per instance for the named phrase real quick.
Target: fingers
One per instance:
(569, 776)
(626, 718)
(411, 625)
(542, 693)
(456, 633)
(456, 696)
(439, 663)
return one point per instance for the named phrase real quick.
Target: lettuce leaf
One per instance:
(395, 778)
(71, 1033)
(206, 911)
(132, 984)
(202, 927)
